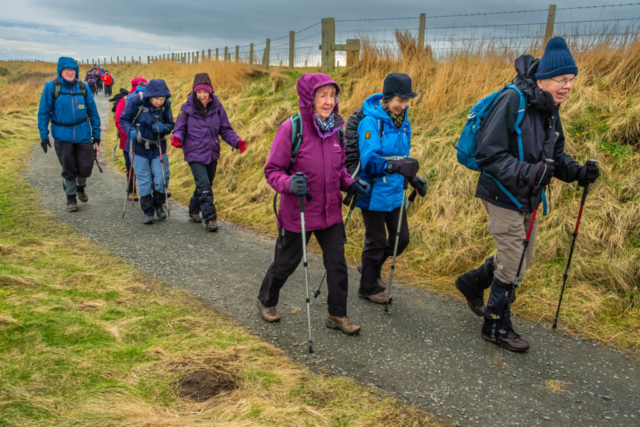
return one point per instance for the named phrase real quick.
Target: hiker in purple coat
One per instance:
(201, 122)
(320, 157)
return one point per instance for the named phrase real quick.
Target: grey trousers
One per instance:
(509, 229)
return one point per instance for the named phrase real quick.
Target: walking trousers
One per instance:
(378, 247)
(202, 199)
(287, 257)
(76, 160)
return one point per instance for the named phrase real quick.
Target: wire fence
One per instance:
(320, 44)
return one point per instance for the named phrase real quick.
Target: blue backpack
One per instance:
(468, 144)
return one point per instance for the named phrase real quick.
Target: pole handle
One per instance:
(413, 195)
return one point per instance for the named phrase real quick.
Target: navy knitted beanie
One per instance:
(556, 61)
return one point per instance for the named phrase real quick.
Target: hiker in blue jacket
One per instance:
(68, 104)
(384, 138)
(514, 176)
(148, 119)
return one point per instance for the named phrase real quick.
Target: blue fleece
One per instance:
(146, 121)
(386, 189)
(69, 108)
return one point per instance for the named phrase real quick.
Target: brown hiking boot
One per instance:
(270, 314)
(72, 204)
(82, 196)
(133, 197)
(379, 298)
(509, 341)
(342, 323)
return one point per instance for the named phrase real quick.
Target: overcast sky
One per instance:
(47, 29)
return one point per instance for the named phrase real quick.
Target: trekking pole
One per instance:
(133, 156)
(395, 246)
(346, 223)
(163, 178)
(573, 244)
(304, 259)
(96, 153)
(114, 152)
(525, 242)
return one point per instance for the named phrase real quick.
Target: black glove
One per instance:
(588, 174)
(44, 144)
(419, 184)
(96, 141)
(407, 167)
(542, 173)
(359, 188)
(298, 185)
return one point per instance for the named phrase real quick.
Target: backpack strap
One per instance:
(296, 135)
(516, 126)
(57, 87)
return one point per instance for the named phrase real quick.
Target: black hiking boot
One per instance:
(473, 283)
(507, 339)
(72, 203)
(82, 196)
(195, 217)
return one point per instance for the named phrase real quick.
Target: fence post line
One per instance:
(267, 53)
(217, 54)
(202, 55)
(132, 60)
(251, 54)
(118, 59)
(551, 20)
(328, 43)
(305, 63)
(209, 54)
(226, 51)
(237, 54)
(292, 49)
(421, 30)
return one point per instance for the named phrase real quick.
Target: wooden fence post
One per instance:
(328, 43)
(292, 49)
(209, 54)
(202, 55)
(421, 30)
(551, 20)
(251, 54)
(118, 59)
(267, 53)
(353, 53)
(226, 52)
(237, 54)
(217, 54)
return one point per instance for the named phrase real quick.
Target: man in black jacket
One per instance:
(514, 175)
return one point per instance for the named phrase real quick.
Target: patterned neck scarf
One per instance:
(398, 119)
(325, 125)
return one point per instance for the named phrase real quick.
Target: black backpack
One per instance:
(117, 98)
(351, 145)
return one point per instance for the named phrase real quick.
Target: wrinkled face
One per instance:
(397, 105)
(324, 101)
(559, 87)
(157, 101)
(203, 96)
(68, 74)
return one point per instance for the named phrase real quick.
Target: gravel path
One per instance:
(427, 352)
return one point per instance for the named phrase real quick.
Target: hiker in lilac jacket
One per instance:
(201, 122)
(320, 158)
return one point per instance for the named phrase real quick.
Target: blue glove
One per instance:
(133, 135)
(360, 188)
(298, 185)
(161, 128)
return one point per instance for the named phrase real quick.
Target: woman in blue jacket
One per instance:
(68, 104)
(148, 119)
(384, 139)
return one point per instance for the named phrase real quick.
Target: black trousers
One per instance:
(108, 90)
(287, 257)
(93, 88)
(378, 247)
(202, 199)
(76, 159)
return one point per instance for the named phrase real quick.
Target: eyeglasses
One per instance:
(564, 81)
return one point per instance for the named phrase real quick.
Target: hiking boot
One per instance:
(133, 197)
(509, 340)
(381, 282)
(475, 304)
(148, 218)
(195, 217)
(81, 194)
(72, 204)
(342, 323)
(379, 298)
(211, 225)
(269, 314)
(161, 214)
